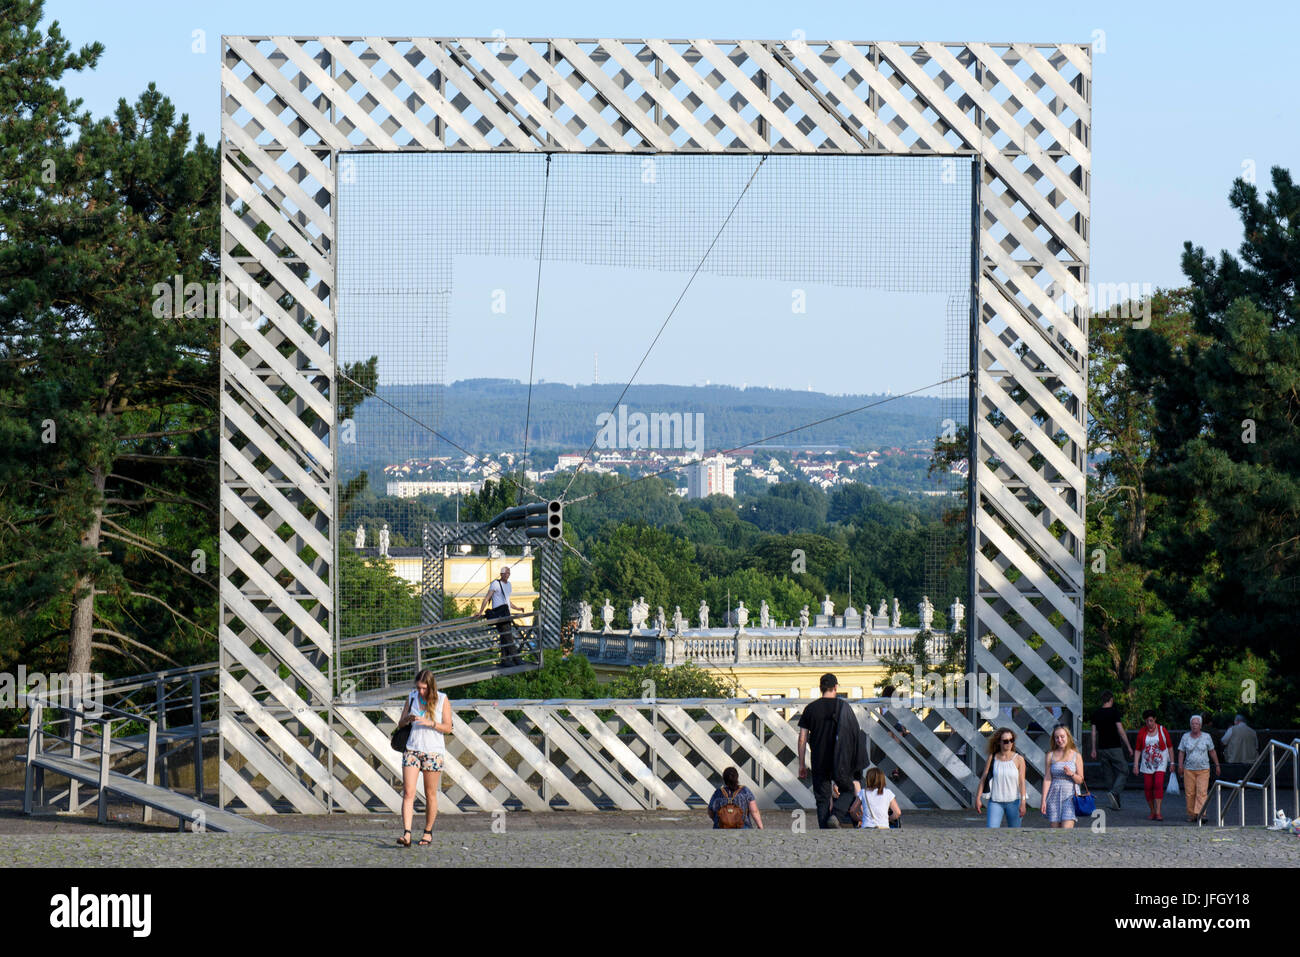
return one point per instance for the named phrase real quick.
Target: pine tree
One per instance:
(109, 400)
(42, 177)
(1226, 455)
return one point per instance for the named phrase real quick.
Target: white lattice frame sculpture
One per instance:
(291, 106)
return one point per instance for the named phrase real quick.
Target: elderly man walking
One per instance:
(1240, 743)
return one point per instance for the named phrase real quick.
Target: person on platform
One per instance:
(838, 755)
(1063, 767)
(1152, 760)
(1004, 779)
(1240, 742)
(1195, 752)
(1111, 740)
(733, 806)
(499, 597)
(428, 712)
(879, 806)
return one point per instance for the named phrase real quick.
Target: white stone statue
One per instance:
(828, 607)
(956, 613)
(679, 623)
(803, 618)
(897, 619)
(661, 622)
(764, 615)
(704, 613)
(607, 614)
(742, 616)
(867, 623)
(383, 540)
(636, 615)
(361, 537)
(925, 611)
(584, 616)
(883, 610)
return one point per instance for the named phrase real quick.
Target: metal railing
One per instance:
(762, 646)
(656, 753)
(80, 740)
(456, 650)
(1267, 787)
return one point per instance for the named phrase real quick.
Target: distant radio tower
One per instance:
(595, 368)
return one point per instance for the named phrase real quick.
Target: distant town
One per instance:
(694, 475)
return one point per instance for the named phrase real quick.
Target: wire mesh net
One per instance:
(410, 227)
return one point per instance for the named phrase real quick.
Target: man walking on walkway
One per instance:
(1240, 743)
(838, 755)
(499, 597)
(1110, 738)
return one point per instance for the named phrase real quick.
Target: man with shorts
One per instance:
(499, 597)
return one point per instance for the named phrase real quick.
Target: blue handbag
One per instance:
(1085, 803)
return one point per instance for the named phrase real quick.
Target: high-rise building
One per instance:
(710, 477)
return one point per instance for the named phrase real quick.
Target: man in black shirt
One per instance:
(837, 752)
(1109, 737)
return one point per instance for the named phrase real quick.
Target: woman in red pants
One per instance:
(1151, 759)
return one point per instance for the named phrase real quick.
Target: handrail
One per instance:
(104, 715)
(134, 682)
(451, 626)
(86, 715)
(1268, 786)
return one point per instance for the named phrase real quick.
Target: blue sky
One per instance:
(1185, 96)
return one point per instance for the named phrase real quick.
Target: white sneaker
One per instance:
(1280, 823)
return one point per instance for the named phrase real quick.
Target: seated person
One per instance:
(879, 806)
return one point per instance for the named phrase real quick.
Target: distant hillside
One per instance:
(487, 415)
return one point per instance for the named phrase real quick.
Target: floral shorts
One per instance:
(421, 760)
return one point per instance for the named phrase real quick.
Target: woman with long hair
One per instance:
(428, 712)
(879, 806)
(1004, 777)
(1063, 767)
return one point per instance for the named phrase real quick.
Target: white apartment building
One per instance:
(412, 489)
(710, 477)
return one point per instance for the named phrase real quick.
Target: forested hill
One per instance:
(488, 414)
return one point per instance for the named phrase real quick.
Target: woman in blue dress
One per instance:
(1064, 769)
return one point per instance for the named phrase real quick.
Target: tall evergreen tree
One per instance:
(109, 401)
(42, 180)
(1226, 454)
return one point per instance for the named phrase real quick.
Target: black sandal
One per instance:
(426, 843)
(407, 842)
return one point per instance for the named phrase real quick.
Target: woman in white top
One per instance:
(429, 713)
(879, 806)
(1003, 778)
(1151, 759)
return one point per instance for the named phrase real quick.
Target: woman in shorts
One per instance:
(428, 712)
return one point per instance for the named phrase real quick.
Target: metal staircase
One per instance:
(1268, 786)
(89, 734)
(381, 667)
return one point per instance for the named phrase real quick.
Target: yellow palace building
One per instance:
(767, 659)
(465, 577)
